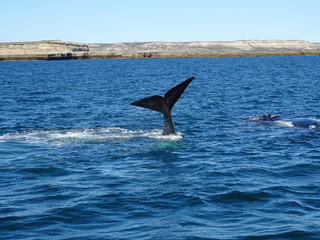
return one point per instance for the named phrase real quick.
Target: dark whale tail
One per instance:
(164, 104)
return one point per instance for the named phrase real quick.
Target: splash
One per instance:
(291, 124)
(284, 123)
(87, 135)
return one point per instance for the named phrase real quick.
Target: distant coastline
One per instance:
(58, 50)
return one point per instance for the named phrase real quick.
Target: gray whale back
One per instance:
(304, 122)
(297, 122)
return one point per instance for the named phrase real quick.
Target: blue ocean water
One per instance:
(78, 162)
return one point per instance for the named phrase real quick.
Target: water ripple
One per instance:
(78, 162)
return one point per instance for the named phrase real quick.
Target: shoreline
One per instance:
(59, 50)
(203, 55)
(149, 55)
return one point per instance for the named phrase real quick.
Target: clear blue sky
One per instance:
(109, 21)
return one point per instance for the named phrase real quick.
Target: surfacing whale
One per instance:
(296, 122)
(164, 104)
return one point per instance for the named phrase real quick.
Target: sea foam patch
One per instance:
(87, 135)
(284, 123)
(157, 134)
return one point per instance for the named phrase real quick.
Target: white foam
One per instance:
(290, 124)
(61, 136)
(157, 134)
(284, 123)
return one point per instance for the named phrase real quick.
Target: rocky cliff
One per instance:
(43, 50)
(40, 47)
(58, 50)
(205, 47)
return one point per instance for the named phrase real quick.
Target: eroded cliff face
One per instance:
(58, 50)
(42, 47)
(205, 47)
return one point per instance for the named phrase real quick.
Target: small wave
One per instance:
(87, 135)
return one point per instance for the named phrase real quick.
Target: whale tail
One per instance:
(164, 104)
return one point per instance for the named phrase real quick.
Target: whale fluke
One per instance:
(164, 104)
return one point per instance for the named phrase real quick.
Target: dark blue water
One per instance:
(78, 162)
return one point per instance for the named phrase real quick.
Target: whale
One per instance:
(296, 122)
(164, 104)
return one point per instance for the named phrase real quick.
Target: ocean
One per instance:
(77, 161)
